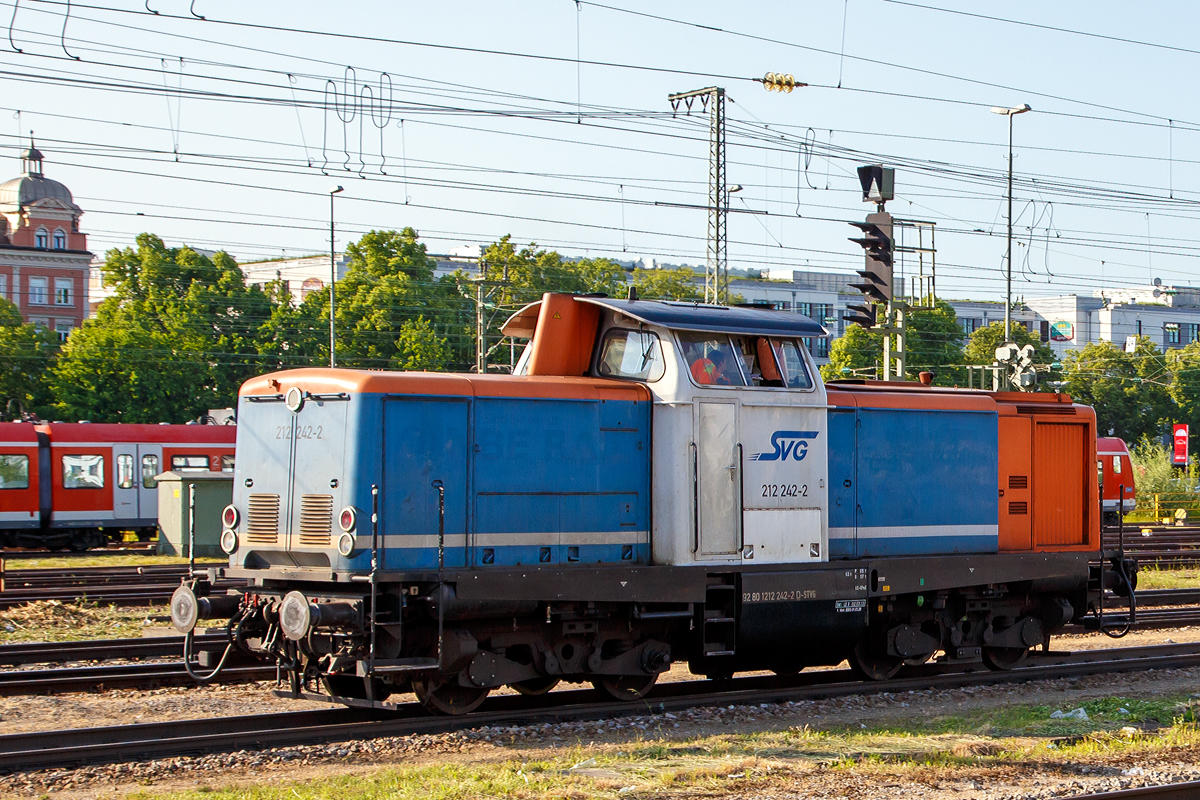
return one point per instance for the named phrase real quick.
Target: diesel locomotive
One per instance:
(656, 482)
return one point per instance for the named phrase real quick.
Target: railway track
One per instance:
(32, 751)
(1170, 791)
(151, 584)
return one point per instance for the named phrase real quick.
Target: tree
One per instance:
(1128, 390)
(857, 354)
(178, 336)
(981, 347)
(667, 284)
(26, 352)
(934, 341)
(419, 347)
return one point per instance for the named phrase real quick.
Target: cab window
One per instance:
(149, 471)
(711, 359)
(794, 372)
(124, 472)
(83, 472)
(631, 354)
(14, 472)
(1116, 465)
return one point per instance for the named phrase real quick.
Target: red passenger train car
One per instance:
(79, 484)
(1115, 470)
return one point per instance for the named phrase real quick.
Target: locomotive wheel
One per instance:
(868, 663)
(442, 696)
(534, 686)
(1004, 658)
(625, 687)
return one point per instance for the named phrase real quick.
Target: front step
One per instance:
(720, 616)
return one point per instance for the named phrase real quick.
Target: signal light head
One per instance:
(230, 516)
(348, 519)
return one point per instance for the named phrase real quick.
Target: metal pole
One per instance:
(1008, 270)
(333, 280)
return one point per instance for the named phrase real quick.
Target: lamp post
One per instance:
(333, 278)
(1010, 113)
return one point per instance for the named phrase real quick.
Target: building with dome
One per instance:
(43, 257)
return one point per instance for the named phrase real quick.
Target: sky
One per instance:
(224, 126)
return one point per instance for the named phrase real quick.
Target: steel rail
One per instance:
(16, 683)
(1168, 791)
(30, 751)
(103, 649)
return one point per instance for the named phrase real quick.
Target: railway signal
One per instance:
(863, 315)
(877, 243)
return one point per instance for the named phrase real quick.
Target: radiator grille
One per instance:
(262, 521)
(316, 519)
(1018, 481)
(1018, 507)
(1048, 408)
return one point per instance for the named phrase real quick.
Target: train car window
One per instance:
(226, 463)
(795, 373)
(124, 472)
(14, 472)
(1116, 465)
(149, 471)
(83, 472)
(711, 359)
(522, 365)
(631, 354)
(758, 361)
(189, 463)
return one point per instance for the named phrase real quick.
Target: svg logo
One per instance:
(793, 444)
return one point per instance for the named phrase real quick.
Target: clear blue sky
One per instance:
(225, 147)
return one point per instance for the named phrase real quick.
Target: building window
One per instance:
(822, 348)
(1139, 327)
(1171, 333)
(3, 287)
(824, 313)
(63, 329)
(1191, 333)
(37, 291)
(40, 323)
(60, 240)
(804, 309)
(62, 292)
(1045, 334)
(41, 238)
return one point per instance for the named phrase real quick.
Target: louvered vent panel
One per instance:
(262, 522)
(1018, 508)
(1048, 408)
(1018, 481)
(316, 519)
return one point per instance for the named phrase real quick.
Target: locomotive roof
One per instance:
(682, 316)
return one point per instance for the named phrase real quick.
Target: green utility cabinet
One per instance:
(214, 491)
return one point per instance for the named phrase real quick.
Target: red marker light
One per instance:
(229, 517)
(348, 519)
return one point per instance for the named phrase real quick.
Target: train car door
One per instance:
(718, 478)
(843, 494)
(149, 465)
(125, 484)
(425, 446)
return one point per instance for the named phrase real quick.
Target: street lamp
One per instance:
(333, 277)
(1010, 113)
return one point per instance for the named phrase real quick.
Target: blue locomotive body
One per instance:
(658, 482)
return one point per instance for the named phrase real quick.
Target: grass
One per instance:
(1000, 740)
(1151, 576)
(55, 621)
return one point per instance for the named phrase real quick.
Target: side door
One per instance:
(843, 490)
(425, 445)
(786, 464)
(149, 465)
(717, 479)
(125, 484)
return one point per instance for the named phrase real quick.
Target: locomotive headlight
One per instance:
(295, 616)
(348, 520)
(229, 541)
(346, 544)
(230, 517)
